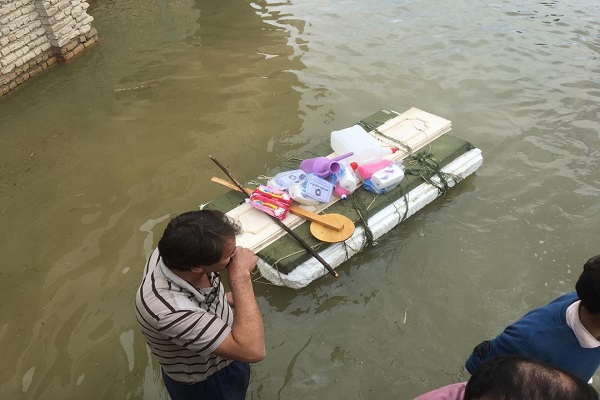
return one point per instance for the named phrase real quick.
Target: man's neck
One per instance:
(196, 279)
(591, 322)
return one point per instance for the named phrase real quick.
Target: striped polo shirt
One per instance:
(179, 328)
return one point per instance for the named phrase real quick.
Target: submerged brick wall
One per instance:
(34, 34)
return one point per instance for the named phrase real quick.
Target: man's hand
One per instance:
(243, 261)
(246, 342)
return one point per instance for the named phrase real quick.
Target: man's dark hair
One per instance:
(196, 238)
(588, 285)
(512, 377)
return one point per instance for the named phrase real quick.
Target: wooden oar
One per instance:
(299, 211)
(281, 224)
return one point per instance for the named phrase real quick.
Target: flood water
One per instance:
(97, 154)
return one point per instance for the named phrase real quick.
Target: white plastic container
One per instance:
(355, 139)
(387, 178)
(297, 193)
(344, 181)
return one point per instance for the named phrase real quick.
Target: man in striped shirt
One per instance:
(186, 316)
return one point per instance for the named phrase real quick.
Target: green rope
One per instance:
(358, 203)
(424, 165)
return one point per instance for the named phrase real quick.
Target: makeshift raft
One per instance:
(434, 162)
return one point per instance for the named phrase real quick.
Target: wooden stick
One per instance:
(281, 224)
(299, 211)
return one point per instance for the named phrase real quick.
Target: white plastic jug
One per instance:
(387, 178)
(355, 139)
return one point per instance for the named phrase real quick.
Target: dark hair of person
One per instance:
(513, 377)
(196, 238)
(588, 285)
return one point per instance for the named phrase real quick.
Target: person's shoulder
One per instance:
(548, 315)
(455, 391)
(567, 298)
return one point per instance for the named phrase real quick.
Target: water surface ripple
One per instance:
(99, 153)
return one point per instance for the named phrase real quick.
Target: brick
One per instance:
(85, 28)
(51, 61)
(15, 45)
(48, 21)
(62, 41)
(90, 42)
(9, 59)
(58, 26)
(12, 76)
(67, 56)
(71, 45)
(78, 49)
(7, 69)
(47, 12)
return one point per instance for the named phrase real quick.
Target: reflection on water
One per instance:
(97, 155)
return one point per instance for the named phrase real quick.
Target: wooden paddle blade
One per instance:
(325, 234)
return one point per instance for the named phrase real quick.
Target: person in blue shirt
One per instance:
(564, 333)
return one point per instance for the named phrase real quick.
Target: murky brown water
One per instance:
(97, 154)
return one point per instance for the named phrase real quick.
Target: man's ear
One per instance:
(198, 269)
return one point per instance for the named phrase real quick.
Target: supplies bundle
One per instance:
(319, 178)
(271, 201)
(379, 175)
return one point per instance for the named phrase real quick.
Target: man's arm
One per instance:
(513, 340)
(246, 342)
